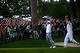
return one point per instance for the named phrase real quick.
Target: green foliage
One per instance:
(13, 7)
(55, 9)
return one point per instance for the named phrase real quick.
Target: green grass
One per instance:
(40, 50)
(30, 43)
(37, 46)
(26, 43)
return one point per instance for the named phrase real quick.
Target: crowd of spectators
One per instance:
(9, 33)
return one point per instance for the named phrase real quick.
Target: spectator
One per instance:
(11, 31)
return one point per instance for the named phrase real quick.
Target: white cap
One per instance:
(48, 21)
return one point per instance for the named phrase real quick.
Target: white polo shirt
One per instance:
(48, 28)
(69, 28)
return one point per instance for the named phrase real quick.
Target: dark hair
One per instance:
(68, 18)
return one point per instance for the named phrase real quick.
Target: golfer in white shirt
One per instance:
(48, 35)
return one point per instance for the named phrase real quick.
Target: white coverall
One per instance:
(69, 35)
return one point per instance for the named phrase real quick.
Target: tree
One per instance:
(54, 9)
(34, 10)
(72, 9)
(14, 7)
(64, 2)
(77, 4)
(4, 10)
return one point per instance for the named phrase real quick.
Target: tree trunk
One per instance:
(34, 10)
(72, 9)
(77, 4)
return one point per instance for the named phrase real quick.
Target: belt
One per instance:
(48, 33)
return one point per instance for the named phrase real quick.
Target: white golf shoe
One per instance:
(78, 45)
(50, 46)
(54, 47)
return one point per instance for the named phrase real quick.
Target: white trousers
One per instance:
(69, 36)
(49, 39)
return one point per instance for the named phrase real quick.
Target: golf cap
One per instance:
(48, 21)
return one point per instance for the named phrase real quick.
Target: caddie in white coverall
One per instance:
(69, 35)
